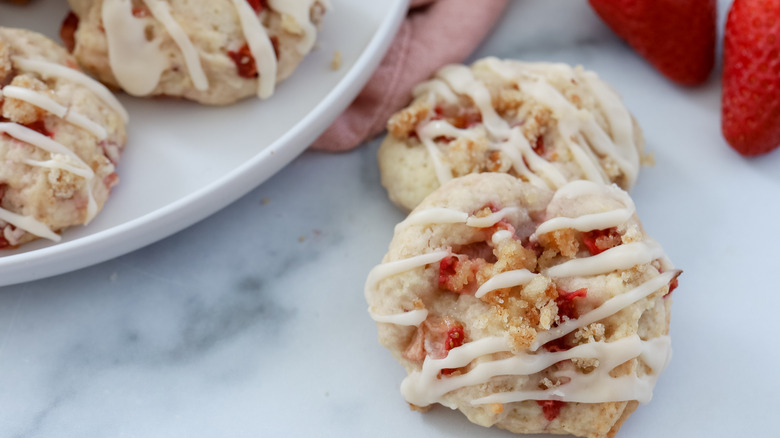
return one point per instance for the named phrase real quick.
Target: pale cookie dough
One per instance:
(532, 310)
(61, 134)
(211, 51)
(544, 123)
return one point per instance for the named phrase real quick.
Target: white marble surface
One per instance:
(252, 323)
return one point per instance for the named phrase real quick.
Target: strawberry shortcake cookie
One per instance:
(212, 51)
(532, 310)
(544, 123)
(61, 133)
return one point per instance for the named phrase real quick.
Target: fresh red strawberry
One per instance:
(751, 76)
(676, 36)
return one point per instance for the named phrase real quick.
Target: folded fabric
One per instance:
(435, 33)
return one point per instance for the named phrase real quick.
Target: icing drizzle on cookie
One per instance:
(576, 131)
(62, 158)
(162, 12)
(48, 104)
(138, 62)
(51, 69)
(427, 385)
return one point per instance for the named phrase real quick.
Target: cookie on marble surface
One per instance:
(61, 134)
(545, 123)
(211, 51)
(532, 310)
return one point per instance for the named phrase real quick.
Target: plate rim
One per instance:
(134, 234)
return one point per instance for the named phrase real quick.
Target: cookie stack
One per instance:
(522, 289)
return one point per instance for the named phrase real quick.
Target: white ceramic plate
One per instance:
(184, 161)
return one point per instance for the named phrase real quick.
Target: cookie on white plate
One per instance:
(61, 134)
(544, 123)
(532, 310)
(211, 51)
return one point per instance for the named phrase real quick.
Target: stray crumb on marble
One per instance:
(113, 277)
(647, 159)
(335, 63)
(265, 201)
(301, 238)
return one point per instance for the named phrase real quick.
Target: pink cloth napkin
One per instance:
(434, 34)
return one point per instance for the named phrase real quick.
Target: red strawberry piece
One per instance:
(539, 146)
(557, 345)
(672, 286)
(257, 5)
(551, 408)
(467, 118)
(599, 241)
(111, 180)
(141, 11)
(455, 337)
(459, 275)
(68, 31)
(751, 76)
(40, 127)
(245, 63)
(565, 302)
(676, 37)
(447, 268)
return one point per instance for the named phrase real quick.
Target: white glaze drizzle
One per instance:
(61, 162)
(434, 215)
(385, 270)
(46, 103)
(162, 12)
(598, 386)
(422, 387)
(137, 63)
(425, 386)
(29, 224)
(60, 153)
(609, 307)
(442, 215)
(569, 122)
(510, 140)
(300, 11)
(516, 277)
(435, 88)
(500, 235)
(621, 125)
(389, 269)
(443, 170)
(592, 221)
(260, 46)
(619, 257)
(492, 218)
(50, 69)
(412, 317)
